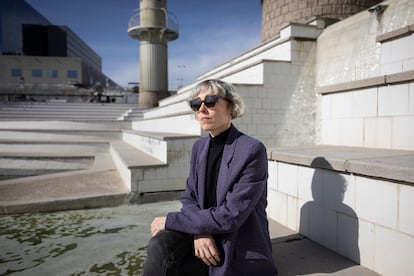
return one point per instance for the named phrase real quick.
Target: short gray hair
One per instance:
(224, 90)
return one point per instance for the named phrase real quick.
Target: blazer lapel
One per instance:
(224, 174)
(201, 171)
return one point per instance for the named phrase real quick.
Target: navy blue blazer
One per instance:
(239, 223)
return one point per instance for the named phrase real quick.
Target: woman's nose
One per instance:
(203, 108)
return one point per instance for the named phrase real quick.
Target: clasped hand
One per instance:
(206, 249)
(204, 245)
(157, 225)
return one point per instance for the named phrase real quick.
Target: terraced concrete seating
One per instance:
(65, 156)
(395, 165)
(68, 111)
(53, 166)
(342, 197)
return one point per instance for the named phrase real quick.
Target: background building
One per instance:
(41, 58)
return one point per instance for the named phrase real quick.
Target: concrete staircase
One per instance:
(67, 111)
(59, 156)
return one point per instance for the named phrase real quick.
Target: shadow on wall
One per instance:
(326, 219)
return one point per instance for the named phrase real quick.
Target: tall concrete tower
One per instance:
(276, 13)
(153, 26)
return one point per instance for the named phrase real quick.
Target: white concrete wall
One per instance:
(348, 50)
(171, 177)
(397, 55)
(380, 117)
(276, 50)
(282, 111)
(367, 220)
(181, 124)
(155, 147)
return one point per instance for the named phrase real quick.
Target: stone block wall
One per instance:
(282, 111)
(367, 45)
(367, 84)
(364, 77)
(367, 220)
(397, 54)
(166, 178)
(378, 117)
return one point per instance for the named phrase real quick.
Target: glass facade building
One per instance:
(40, 53)
(13, 14)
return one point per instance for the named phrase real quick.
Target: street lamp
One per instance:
(181, 79)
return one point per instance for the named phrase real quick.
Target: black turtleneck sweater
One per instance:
(215, 152)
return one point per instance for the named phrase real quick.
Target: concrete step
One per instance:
(132, 162)
(71, 175)
(139, 156)
(22, 113)
(59, 136)
(20, 166)
(394, 165)
(91, 107)
(63, 117)
(59, 105)
(133, 157)
(70, 125)
(65, 111)
(134, 166)
(63, 149)
(184, 124)
(134, 114)
(153, 145)
(65, 191)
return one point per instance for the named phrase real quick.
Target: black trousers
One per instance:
(171, 253)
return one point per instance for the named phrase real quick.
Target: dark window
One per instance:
(37, 73)
(15, 72)
(52, 73)
(72, 74)
(39, 40)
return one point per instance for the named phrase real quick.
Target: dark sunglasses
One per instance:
(209, 101)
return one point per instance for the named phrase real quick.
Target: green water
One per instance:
(108, 241)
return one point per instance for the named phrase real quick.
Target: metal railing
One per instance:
(171, 20)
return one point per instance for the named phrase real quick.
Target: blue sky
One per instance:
(211, 32)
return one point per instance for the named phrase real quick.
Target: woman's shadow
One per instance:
(327, 221)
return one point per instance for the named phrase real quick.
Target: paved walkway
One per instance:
(297, 255)
(112, 240)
